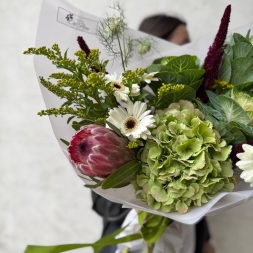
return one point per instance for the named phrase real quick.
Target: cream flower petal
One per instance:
(246, 163)
(133, 121)
(149, 77)
(135, 90)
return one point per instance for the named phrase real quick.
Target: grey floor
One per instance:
(42, 201)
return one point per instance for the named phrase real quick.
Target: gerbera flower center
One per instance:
(117, 86)
(130, 124)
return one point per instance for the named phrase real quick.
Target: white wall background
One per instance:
(42, 201)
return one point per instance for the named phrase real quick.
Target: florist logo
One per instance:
(77, 22)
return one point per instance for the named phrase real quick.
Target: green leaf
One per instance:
(242, 49)
(97, 246)
(232, 111)
(154, 228)
(244, 86)
(65, 142)
(77, 125)
(122, 174)
(70, 118)
(241, 70)
(196, 84)
(239, 137)
(156, 68)
(214, 100)
(192, 75)
(225, 69)
(93, 186)
(170, 77)
(157, 61)
(167, 59)
(187, 93)
(215, 113)
(142, 217)
(183, 62)
(115, 129)
(247, 130)
(239, 38)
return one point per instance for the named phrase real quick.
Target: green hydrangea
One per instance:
(185, 163)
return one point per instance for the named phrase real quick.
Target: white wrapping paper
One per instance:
(54, 27)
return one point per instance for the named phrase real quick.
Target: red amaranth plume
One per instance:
(83, 45)
(214, 56)
(85, 48)
(238, 149)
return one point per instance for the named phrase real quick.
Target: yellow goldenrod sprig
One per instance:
(57, 90)
(167, 88)
(222, 85)
(132, 76)
(62, 111)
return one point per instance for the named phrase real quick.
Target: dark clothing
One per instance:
(113, 216)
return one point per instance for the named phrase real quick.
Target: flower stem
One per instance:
(126, 250)
(121, 53)
(150, 247)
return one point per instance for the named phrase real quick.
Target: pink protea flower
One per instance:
(97, 151)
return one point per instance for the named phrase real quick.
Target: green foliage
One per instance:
(231, 115)
(152, 226)
(237, 65)
(177, 70)
(111, 34)
(170, 93)
(122, 175)
(97, 246)
(78, 86)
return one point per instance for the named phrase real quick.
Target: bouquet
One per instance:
(177, 135)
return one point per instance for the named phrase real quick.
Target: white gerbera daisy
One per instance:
(246, 163)
(120, 91)
(147, 78)
(133, 121)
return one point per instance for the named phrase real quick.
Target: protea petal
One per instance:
(97, 151)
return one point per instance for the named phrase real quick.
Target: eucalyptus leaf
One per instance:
(121, 175)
